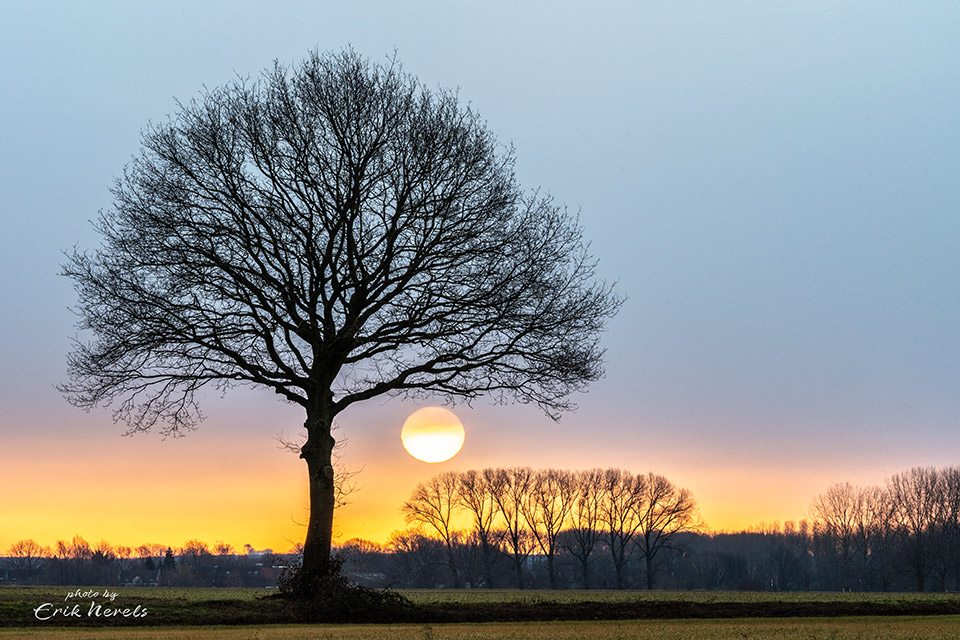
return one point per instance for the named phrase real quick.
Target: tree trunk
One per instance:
(649, 564)
(586, 579)
(318, 454)
(519, 565)
(487, 562)
(452, 561)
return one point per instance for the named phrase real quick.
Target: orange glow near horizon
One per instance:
(245, 490)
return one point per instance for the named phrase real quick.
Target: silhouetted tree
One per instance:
(838, 514)
(510, 488)
(915, 494)
(102, 558)
(585, 522)
(548, 502)
(476, 496)
(432, 504)
(944, 545)
(621, 492)
(26, 558)
(169, 562)
(333, 232)
(664, 510)
(80, 553)
(415, 557)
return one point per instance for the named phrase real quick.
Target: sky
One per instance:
(773, 186)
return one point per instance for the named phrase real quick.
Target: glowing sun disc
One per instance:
(432, 434)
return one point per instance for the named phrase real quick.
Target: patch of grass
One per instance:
(875, 628)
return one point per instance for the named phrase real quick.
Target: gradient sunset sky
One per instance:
(775, 186)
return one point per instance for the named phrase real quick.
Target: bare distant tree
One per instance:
(80, 554)
(415, 556)
(621, 493)
(838, 513)
(915, 496)
(510, 488)
(476, 496)
(946, 528)
(194, 552)
(950, 520)
(123, 554)
(26, 558)
(585, 522)
(333, 232)
(61, 556)
(664, 511)
(225, 561)
(853, 527)
(432, 504)
(875, 535)
(547, 505)
(360, 553)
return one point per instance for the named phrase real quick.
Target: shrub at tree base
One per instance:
(328, 596)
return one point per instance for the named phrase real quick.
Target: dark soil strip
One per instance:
(273, 611)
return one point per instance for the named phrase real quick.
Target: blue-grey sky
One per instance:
(774, 185)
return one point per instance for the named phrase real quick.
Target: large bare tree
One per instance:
(334, 232)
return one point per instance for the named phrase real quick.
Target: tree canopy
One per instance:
(334, 231)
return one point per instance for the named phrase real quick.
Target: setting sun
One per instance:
(432, 434)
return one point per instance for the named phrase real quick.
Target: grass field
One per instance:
(710, 615)
(881, 628)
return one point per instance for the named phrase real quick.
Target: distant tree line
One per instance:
(612, 529)
(78, 562)
(607, 529)
(527, 516)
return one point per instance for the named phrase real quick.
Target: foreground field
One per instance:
(874, 628)
(48, 608)
(532, 596)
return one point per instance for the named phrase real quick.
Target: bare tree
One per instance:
(333, 232)
(510, 488)
(663, 511)
(61, 557)
(949, 521)
(415, 555)
(618, 512)
(915, 494)
(26, 559)
(545, 509)
(225, 559)
(945, 544)
(585, 521)
(852, 530)
(875, 533)
(476, 496)
(80, 554)
(123, 555)
(837, 513)
(432, 504)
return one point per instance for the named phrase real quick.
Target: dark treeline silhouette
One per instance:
(612, 529)
(607, 529)
(195, 564)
